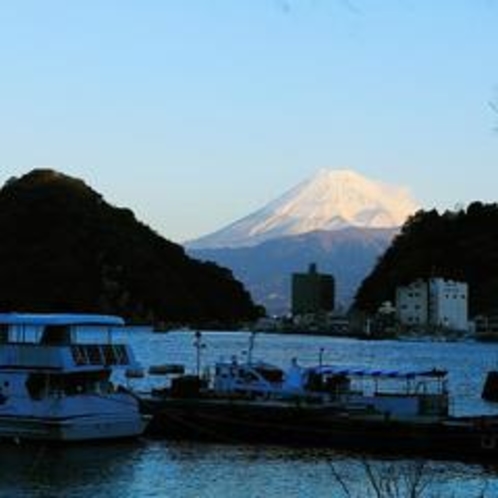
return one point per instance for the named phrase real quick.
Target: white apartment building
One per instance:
(448, 305)
(436, 302)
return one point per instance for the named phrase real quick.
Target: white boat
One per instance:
(54, 386)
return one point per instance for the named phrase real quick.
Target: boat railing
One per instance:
(100, 354)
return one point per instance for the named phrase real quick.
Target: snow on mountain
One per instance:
(329, 200)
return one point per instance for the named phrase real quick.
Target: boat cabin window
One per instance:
(35, 384)
(248, 376)
(333, 383)
(4, 333)
(69, 384)
(270, 374)
(56, 335)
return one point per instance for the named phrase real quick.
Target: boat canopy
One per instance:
(59, 319)
(365, 372)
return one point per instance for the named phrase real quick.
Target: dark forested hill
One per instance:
(460, 245)
(63, 248)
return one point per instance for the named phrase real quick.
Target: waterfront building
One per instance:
(435, 302)
(312, 292)
(412, 303)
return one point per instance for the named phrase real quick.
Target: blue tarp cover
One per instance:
(366, 372)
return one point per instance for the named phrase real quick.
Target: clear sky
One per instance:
(193, 113)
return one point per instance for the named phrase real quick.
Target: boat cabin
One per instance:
(397, 393)
(247, 378)
(55, 342)
(54, 356)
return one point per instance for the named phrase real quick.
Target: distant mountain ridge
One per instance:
(329, 200)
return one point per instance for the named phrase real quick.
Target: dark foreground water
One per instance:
(159, 468)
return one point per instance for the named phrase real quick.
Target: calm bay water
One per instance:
(157, 468)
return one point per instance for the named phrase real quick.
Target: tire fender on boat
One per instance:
(488, 442)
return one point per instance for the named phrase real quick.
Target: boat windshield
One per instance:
(56, 335)
(273, 375)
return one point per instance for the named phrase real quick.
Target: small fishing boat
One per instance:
(56, 387)
(393, 411)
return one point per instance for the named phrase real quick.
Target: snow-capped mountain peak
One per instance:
(328, 200)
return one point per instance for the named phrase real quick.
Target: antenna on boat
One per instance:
(199, 345)
(252, 338)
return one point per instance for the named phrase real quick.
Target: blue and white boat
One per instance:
(391, 411)
(54, 386)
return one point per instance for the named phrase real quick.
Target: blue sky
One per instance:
(193, 113)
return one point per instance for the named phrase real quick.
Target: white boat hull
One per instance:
(72, 418)
(82, 428)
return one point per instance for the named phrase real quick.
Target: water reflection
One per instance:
(157, 468)
(84, 470)
(257, 471)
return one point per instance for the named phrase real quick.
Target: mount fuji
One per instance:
(328, 200)
(338, 219)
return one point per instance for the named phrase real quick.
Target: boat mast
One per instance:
(198, 346)
(252, 338)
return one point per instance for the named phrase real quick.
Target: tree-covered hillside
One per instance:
(63, 248)
(460, 245)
